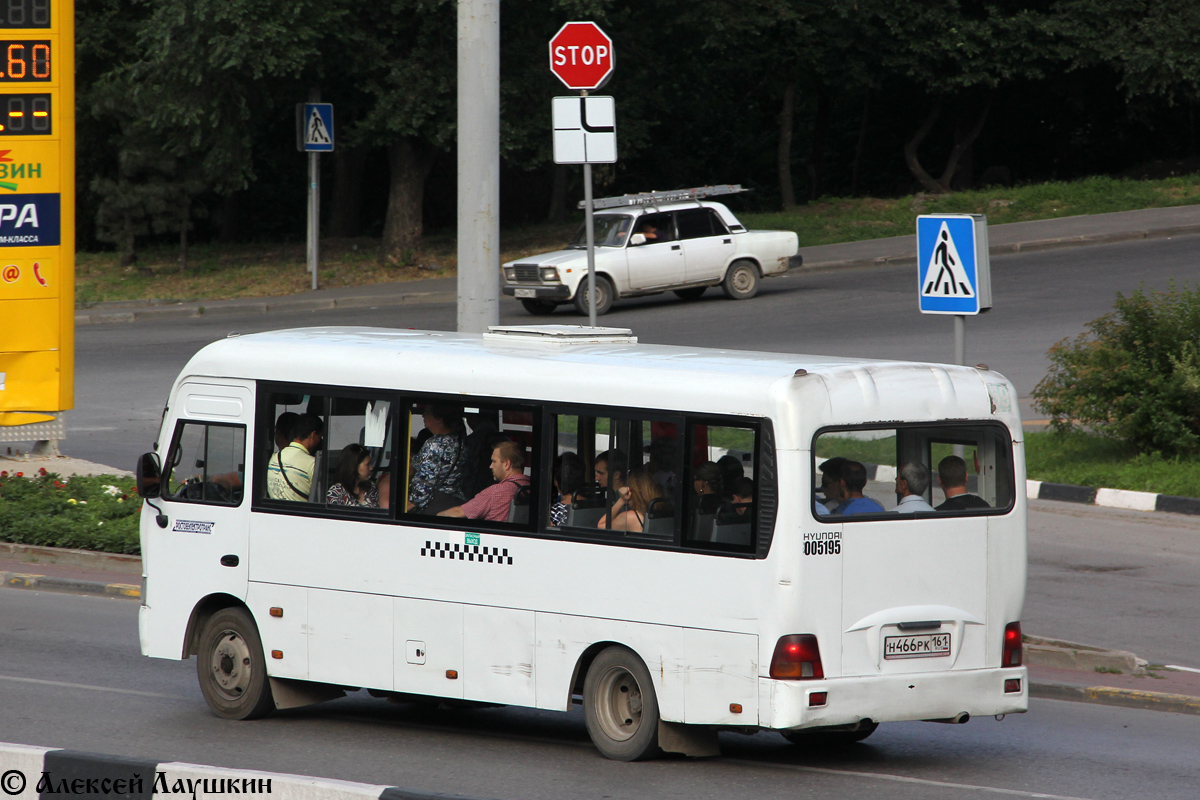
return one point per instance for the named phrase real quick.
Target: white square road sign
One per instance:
(585, 130)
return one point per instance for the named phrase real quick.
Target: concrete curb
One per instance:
(138, 778)
(122, 312)
(1072, 655)
(45, 583)
(1111, 696)
(1112, 498)
(66, 557)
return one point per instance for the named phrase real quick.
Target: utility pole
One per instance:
(478, 164)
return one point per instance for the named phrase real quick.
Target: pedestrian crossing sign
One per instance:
(953, 270)
(315, 127)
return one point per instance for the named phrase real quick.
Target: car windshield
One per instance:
(611, 231)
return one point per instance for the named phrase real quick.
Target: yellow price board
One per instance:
(37, 209)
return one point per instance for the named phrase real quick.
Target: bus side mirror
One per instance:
(637, 238)
(149, 475)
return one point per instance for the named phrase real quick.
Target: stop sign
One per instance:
(581, 55)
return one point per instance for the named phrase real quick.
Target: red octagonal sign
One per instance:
(581, 55)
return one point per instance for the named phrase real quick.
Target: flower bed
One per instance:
(88, 513)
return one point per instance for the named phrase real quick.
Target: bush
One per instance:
(86, 513)
(1134, 377)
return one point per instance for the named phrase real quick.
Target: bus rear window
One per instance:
(925, 470)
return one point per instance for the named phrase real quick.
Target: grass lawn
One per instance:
(221, 272)
(1086, 460)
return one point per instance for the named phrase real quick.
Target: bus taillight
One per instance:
(797, 657)
(1012, 645)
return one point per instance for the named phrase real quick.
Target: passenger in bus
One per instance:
(952, 477)
(742, 495)
(568, 479)
(911, 482)
(662, 451)
(707, 483)
(290, 472)
(285, 427)
(610, 467)
(633, 502)
(440, 466)
(854, 480)
(731, 469)
(354, 486)
(508, 465)
(385, 490)
(831, 486)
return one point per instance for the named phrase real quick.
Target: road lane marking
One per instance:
(1185, 669)
(883, 776)
(93, 688)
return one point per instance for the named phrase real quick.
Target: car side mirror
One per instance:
(637, 238)
(149, 475)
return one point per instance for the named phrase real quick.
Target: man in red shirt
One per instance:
(508, 465)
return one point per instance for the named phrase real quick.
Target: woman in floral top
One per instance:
(441, 465)
(354, 486)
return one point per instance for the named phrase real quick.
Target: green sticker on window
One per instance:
(472, 538)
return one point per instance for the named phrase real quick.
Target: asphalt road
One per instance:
(124, 370)
(70, 676)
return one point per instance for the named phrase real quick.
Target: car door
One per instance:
(707, 244)
(659, 260)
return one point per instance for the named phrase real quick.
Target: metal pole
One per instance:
(314, 215)
(591, 243)
(478, 164)
(960, 339)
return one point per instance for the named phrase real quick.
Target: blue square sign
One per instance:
(317, 127)
(953, 271)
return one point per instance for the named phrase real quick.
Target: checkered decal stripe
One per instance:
(467, 552)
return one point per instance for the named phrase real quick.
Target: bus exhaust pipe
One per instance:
(960, 718)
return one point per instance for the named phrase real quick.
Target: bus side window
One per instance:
(206, 463)
(721, 488)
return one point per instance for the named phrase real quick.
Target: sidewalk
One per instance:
(1011, 238)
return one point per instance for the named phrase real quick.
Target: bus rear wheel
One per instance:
(231, 668)
(839, 736)
(620, 706)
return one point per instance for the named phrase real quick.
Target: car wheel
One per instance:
(604, 296)
(620, 707)
(741, 281)
(539, 308)
(231, 667)
(691, 293)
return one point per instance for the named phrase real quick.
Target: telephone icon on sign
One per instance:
(37, 273)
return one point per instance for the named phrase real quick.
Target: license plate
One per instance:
(526, 293)
(927, 645)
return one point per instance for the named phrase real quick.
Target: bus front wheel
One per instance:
(620, 706)
(231, 668)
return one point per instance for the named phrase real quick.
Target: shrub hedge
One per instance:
(1134, 376)
(89, 513)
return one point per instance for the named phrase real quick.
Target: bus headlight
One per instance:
(549, 274)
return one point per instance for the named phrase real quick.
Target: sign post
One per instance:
(37, 219)
(314, 135)
(954, 273)
(581, 56)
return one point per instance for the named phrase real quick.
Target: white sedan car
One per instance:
(680, 247)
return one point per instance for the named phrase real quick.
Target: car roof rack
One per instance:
(673, 196)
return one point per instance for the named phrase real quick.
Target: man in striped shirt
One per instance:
(508, 465)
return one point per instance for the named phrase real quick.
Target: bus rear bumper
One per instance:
(788, 705)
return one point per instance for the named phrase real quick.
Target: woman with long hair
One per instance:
(354, 486)
(633, 502)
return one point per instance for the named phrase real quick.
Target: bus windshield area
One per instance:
(611, 230)
(931, 470)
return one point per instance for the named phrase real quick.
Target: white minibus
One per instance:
(682, 540)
